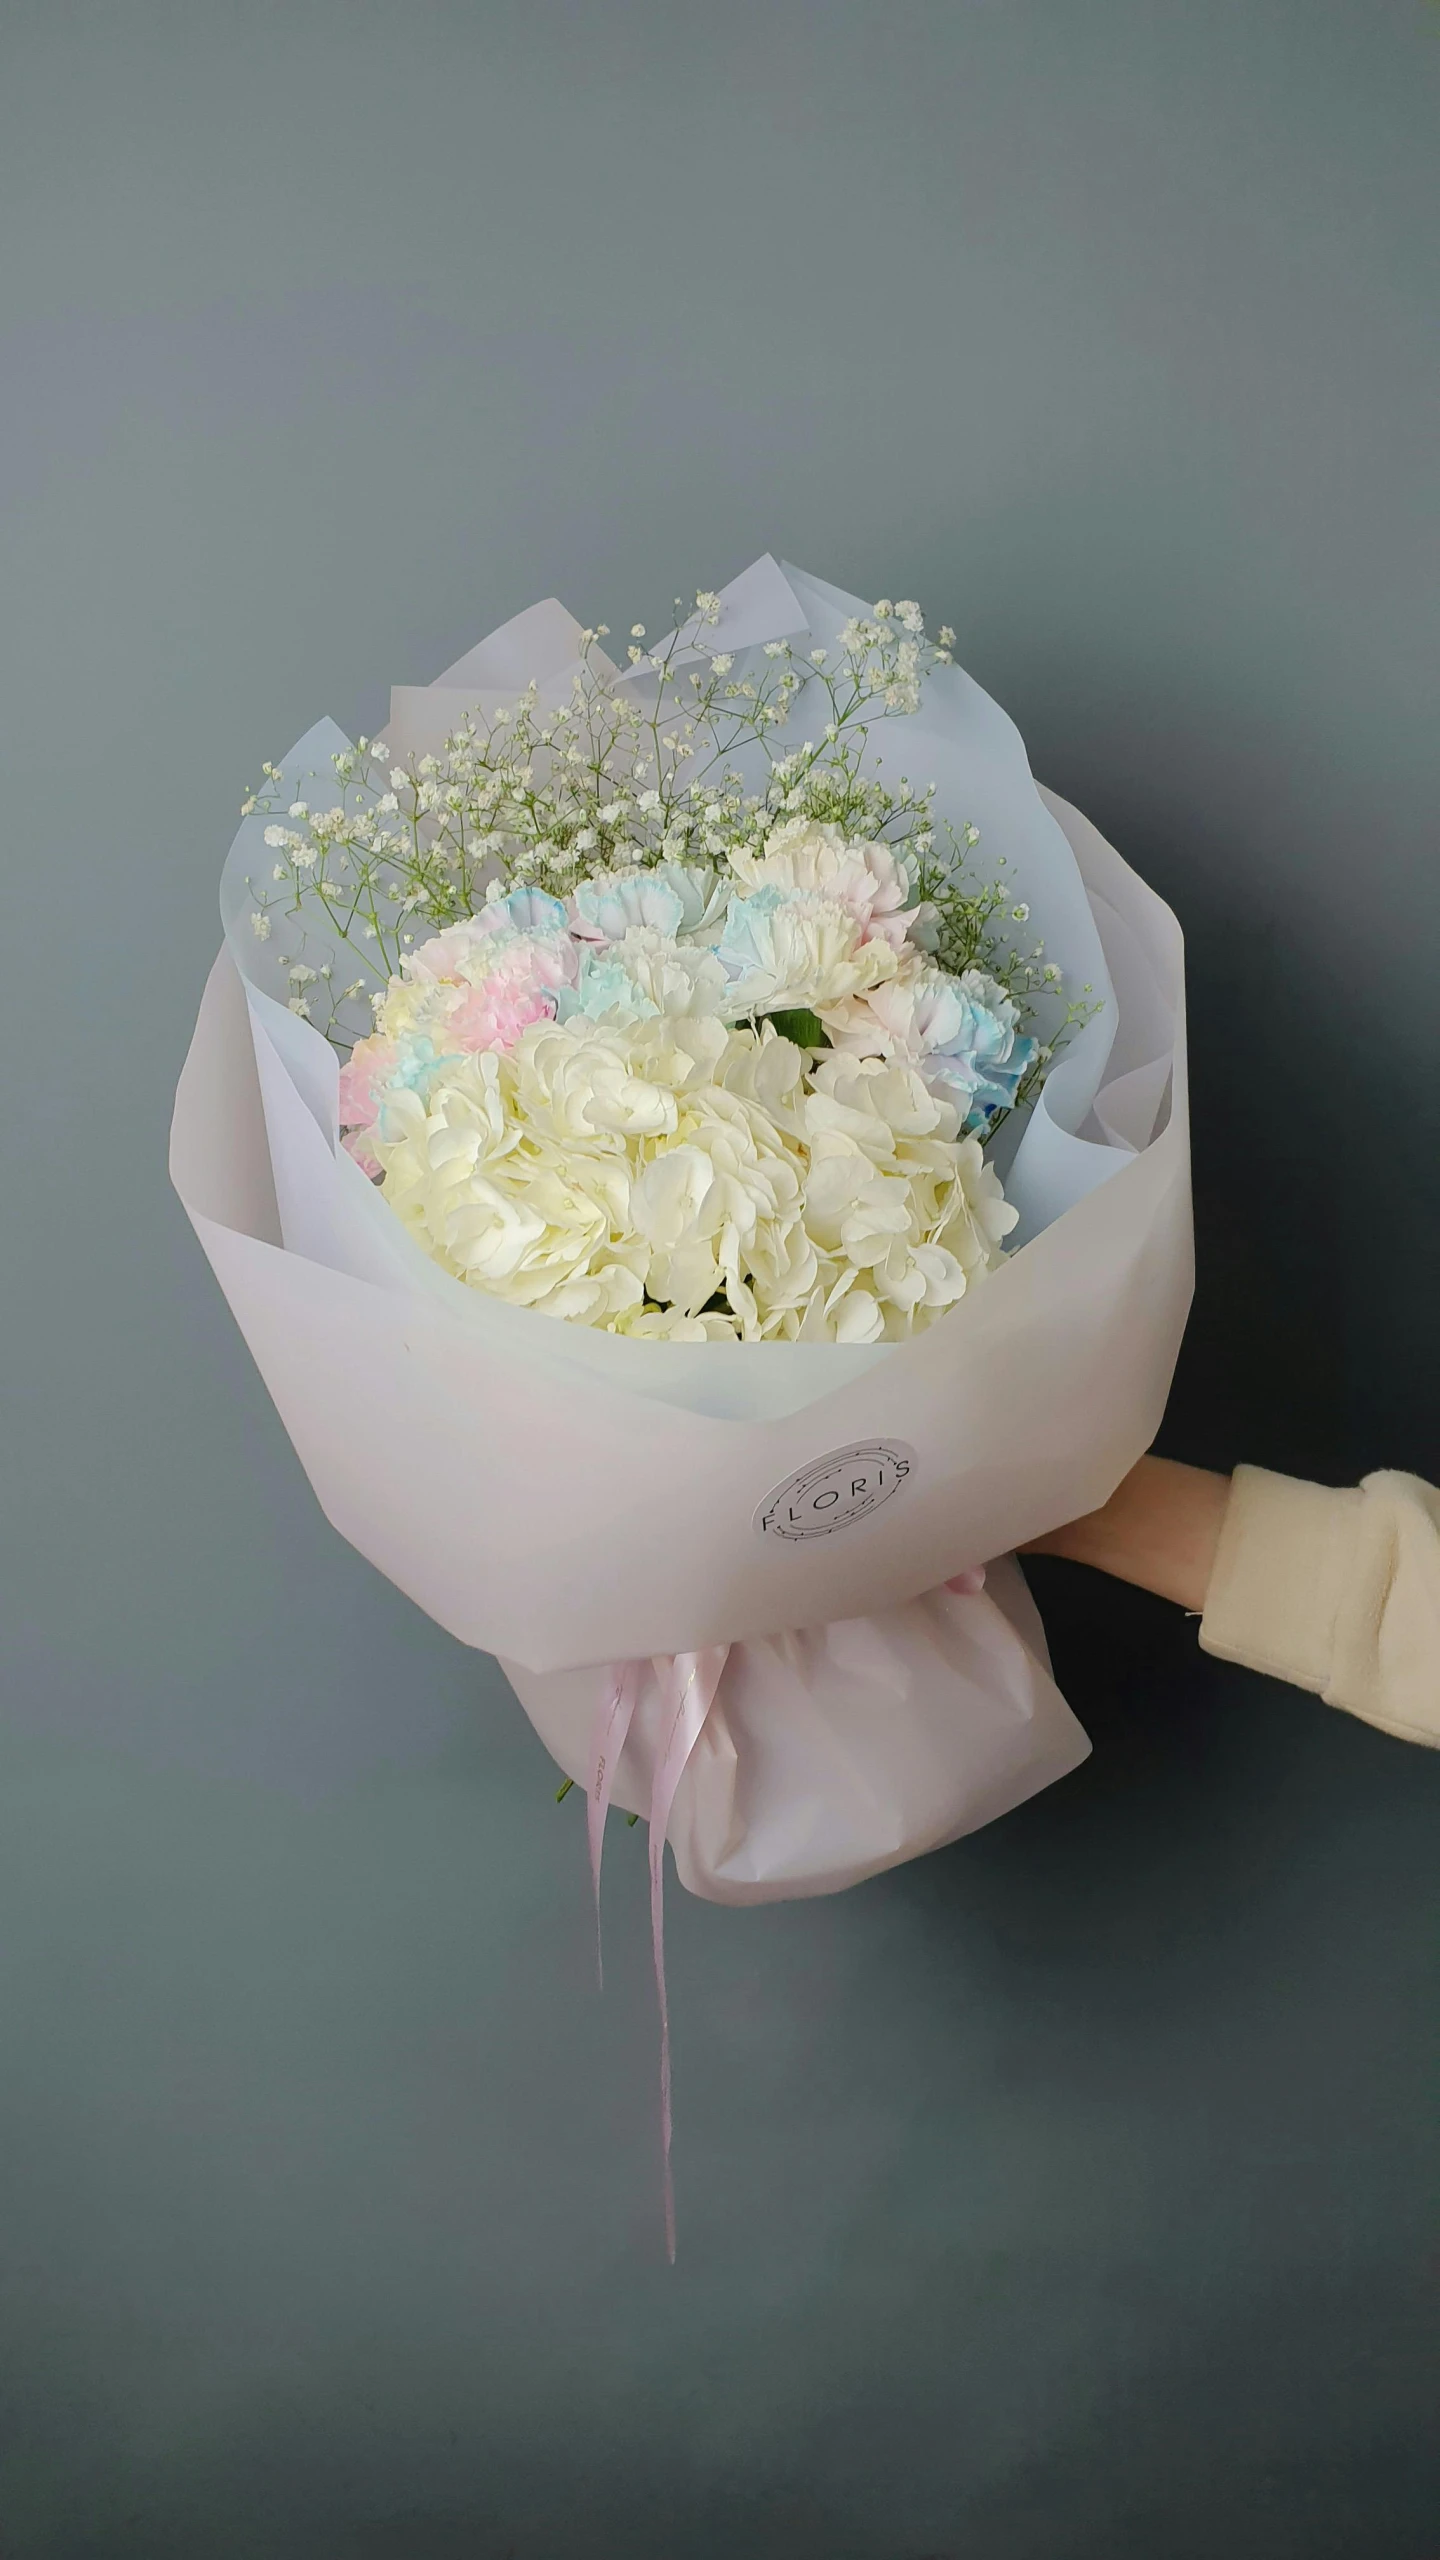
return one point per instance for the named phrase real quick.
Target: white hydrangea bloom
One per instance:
(684, 1180)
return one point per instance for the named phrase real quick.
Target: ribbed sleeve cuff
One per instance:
(1279, 1576)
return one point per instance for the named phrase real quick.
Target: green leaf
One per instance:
(799, 1024)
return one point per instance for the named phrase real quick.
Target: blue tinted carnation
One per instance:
(605, 987)
(701, 890)
(746, 945)
(418, 1063)
(974, 1049)
(610, 903)
(528, 911)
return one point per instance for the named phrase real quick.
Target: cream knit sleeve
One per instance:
(1336, 1591)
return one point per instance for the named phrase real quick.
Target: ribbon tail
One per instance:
(607, 1741)
(688, 1682)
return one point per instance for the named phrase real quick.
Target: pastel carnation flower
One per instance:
(871, 880)
(605, 907)
(485, 984)
(377, 1069)
(364, 1080)
(493, 1014)
(526, 910)
(961, 1033)
(471, 989)
(605, 991)
(472, 950)
(786, 947)
(702, 889)
(645, 973)
(465, 950)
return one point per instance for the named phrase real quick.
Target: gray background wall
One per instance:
(1057, 2198)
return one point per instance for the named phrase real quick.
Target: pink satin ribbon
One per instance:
(607, 1741)
(687, 1682)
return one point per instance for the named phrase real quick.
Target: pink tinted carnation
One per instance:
(457, 997)
(493, 1016)
(356, 1143)
(366, 1074)
(462, 951)
(518, 988)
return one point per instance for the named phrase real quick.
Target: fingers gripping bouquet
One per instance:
(711, 1122)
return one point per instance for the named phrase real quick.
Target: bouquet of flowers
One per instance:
(696, 1143)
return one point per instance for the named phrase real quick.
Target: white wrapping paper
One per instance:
(566, 1498)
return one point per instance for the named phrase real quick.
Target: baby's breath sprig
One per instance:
(638, 766)
(975, 927)
(684, 754)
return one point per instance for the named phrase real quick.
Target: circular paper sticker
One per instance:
(835, 1491)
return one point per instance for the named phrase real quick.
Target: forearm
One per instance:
(1160, 1529)
(1335, 1589)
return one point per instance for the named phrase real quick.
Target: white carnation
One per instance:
(796, 948)
(871, 880)
(676, 977)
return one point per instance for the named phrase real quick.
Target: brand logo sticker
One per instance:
(835, 1491)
